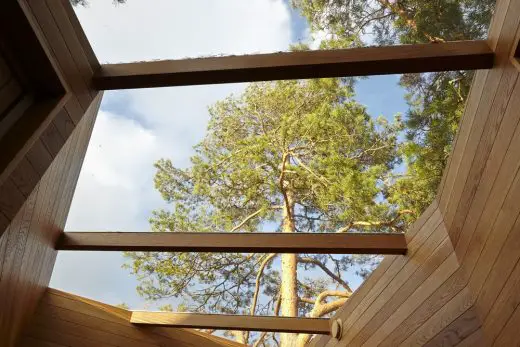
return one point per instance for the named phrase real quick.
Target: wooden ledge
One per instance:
(232, 322)
(318, 243)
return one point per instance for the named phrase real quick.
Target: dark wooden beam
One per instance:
(232, 322)
(324, 243)
(459, 55)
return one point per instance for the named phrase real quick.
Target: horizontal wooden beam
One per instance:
(232, 322)
(458, 55)
(324, 243)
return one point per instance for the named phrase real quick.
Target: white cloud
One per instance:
(135, 128)
(115, 184)
(167, 29)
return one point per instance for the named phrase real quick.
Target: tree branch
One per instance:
(394, 7)
(329, 307)
(308, 260)
(281, 181)
(276, 312)
(389, 223)
(320, 309)
(325, 294)
(264, 263)
(307, 300)
(248, 218)
(321, 179)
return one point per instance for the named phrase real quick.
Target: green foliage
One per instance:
(306, 139)
(436, 100)
(123, 306)
(167, 307)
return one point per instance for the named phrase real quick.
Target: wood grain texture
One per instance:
(55, 96)
(232, 322)
(458, 284)
(10, 92)
(460, 55)
(465, 291)
(22, 48)
(27, 251)
(64, 319)
(327, 243)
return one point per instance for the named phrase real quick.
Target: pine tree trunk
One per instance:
(289, 285)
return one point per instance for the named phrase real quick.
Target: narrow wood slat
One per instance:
(350, 318)
(24, 133)
(8, 95)
(503, 306)
(407, 318)
(16, 110)
(5, 72)
(326, 243)
(396, 284)
(458, 55)
(28, 54)
(457, 331)
(509, 336)
(232, 322)
(476, 339)
(380, 271)
(427, 268)
(57, 44)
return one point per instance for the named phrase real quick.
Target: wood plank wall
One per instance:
(11, 92)
(27, 251)
(64, 41)
(36, 187)
(63, 319)
(459, 285)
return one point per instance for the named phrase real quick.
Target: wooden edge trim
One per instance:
(318, 243)
(232, 322)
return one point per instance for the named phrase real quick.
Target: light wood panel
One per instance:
(327, 243)
(57, 93)
(458, 283)
(461, 55)
(27, 251)
(466, 291)
(64, 319)
(232, 322)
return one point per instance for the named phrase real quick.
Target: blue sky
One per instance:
(135, 128)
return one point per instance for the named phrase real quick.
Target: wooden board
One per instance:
(460, 55)
(457, 285)
(327, 243)
(27, 251)
(232, 322)
(51, 65)
(22, 49)
(464, 291)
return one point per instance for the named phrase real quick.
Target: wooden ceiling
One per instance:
(458, 283)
